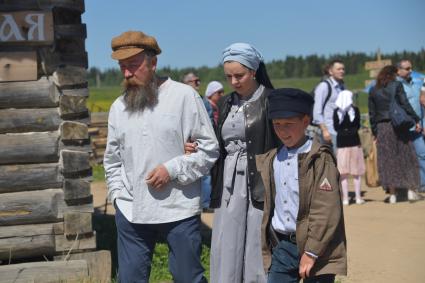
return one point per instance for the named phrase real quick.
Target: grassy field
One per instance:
(101, 99)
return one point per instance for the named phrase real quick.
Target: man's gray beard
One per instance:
(139, 97)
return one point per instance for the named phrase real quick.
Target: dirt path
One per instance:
(386, 243)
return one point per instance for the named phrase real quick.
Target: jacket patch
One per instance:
(325, 186)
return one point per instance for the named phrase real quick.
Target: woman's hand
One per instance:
(190, 147)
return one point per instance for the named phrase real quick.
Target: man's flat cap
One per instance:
(131, 43)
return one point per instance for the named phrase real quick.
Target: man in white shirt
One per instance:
(325, 95)
(154, 186)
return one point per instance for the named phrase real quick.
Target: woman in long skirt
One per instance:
(243, 131)
(397, 163)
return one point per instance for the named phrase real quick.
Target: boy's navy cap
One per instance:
(289, 102)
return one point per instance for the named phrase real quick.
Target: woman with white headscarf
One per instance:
(349, 154)
(243, 130)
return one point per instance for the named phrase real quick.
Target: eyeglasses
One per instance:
(407, 69)
(197, 81)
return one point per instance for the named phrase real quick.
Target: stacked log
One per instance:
(98, 131)
(45, 201)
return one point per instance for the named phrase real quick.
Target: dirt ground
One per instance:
(386, 243)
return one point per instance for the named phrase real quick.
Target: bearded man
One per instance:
(153, 185)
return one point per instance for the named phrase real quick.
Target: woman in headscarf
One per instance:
(349, 152)
(397, 162)
(243, 130)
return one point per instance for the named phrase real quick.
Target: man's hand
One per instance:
(306, 263)
(418, 128)
(326, 135)
(158, 177)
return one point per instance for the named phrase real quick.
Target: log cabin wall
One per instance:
(45, 201)
(98, 132)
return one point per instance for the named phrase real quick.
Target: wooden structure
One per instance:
(45, 203)
(375, 66)
(98, 132)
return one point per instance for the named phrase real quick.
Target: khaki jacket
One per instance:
(320, 220)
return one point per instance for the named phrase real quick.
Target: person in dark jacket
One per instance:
(397, 163)
(243, 130)
(349, 152)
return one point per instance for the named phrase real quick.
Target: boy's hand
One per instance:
(306, 263)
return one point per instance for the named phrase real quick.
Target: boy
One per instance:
(303, 219)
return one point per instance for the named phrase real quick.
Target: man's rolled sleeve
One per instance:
(186, 169)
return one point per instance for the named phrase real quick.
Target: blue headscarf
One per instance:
(243, 53)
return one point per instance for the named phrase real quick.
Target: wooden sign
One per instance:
(18, 66)
(26, 27)
(377, 64)
(374, 73)
(368, 82)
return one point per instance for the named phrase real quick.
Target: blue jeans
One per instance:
(205, 191)
(419, 144)
(136, 243)
(285, 263)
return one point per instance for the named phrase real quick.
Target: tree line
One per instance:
(290, 67)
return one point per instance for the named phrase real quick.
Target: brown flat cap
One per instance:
(131, 43)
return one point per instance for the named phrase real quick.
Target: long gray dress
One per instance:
(236, 238)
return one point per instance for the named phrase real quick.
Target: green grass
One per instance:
(160, 263)
(100, 99)
(98, 173)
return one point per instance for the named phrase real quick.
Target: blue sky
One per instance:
(193, 33)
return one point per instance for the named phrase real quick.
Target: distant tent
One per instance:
(416, 76)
